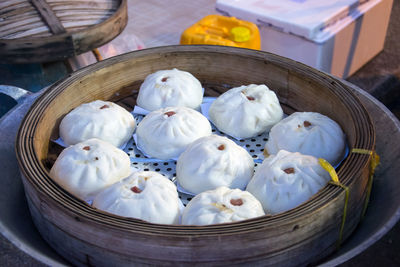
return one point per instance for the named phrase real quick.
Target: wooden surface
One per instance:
(48, 16)
(299, 236)
(51, 30)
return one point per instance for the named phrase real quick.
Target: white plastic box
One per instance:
(335, 36)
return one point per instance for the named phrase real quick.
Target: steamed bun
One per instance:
(86, 168)
(309, 133)
(145, 195)
(98, 119)
(246, 111)
(286, 180)
(170, 88)
(214, 161)
(222, 205)
(165, 133)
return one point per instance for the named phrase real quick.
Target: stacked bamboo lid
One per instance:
(50, 30)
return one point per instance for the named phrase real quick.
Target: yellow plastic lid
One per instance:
(240, 34)
(221, 30)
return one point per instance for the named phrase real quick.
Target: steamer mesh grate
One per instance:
(255, 147)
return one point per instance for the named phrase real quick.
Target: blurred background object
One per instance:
(337, 36)
(222, 30)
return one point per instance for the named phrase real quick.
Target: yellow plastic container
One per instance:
(221, 30)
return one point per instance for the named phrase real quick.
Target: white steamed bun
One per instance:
(214, 161)
(98, 119)
(246, 111)
(86, 168)
(145, 195)
(286, 180)
(309, 133)
(165, 133)
(170, 88)
(222, 205)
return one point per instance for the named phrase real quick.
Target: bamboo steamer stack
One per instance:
(51, 30)
(86, 236)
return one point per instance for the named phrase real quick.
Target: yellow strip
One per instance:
(97, 54)
(335, 181)
(329, 168)
(375, 160)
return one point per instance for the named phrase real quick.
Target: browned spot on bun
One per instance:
(237, 202)
(289, 170)
(248, 97)
(136, 189)
(170, 113)
(104, 106)
(307, 124)
(222, 207)
(164, 79)
(221, 147)
(86, 148)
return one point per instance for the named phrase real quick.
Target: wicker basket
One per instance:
(84, 235)
(51, 30)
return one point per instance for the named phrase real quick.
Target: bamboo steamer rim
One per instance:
(38, 176)
(19, 50)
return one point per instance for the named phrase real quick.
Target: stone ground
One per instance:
(380, 77)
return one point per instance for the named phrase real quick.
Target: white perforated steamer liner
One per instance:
(255, 146)
(141, 162)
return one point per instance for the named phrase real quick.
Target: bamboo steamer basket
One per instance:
(86, 236)
(53, 30)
